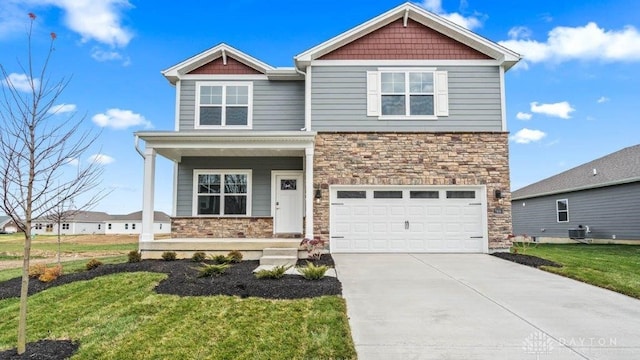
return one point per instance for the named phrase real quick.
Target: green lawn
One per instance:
(12, 244)
(120, 317)
(614, 267)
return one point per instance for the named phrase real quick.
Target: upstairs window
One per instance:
(419, 94)
(224, 105)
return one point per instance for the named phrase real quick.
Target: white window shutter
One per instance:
(442, 93)
(373, 93)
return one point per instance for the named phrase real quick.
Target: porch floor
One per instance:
(251, 248)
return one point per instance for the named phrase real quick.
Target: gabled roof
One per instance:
(620, 167)
(505, 56)
(87, 216)
(221, 50)
(4, 220)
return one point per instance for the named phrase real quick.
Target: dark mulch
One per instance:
(528, 260)
(183, 280)
(43, 350)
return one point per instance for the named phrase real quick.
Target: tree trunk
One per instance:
(24, 292)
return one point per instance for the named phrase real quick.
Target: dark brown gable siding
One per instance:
(217, 67)
(395, 42)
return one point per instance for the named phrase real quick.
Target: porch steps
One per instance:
(279, 256)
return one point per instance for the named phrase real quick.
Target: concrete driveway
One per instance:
(440, 306)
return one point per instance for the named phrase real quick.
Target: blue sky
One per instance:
(574, 98)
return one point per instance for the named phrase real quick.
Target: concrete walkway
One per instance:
(440, 306)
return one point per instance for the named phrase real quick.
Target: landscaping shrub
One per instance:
(276, 273)
(51, 274)
(234, 256)
(313, 272)
(134, 256)
(93, 263)
(169, 255)
(36, 270)
(212, 270)
(220, 259)
(198, 256)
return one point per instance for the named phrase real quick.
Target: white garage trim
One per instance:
(417, 218)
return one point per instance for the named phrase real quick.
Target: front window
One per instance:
(65, 226)
(109, 226)
(133, 226)
(220, 193)
(224, 104)
(126, 226)
(49, 228)
(562, 210)
(407, 93)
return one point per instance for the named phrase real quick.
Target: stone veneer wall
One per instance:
(223, 227)
(416, 159)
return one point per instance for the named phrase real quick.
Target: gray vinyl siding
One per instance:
(277, 105)
(608, 211)
(339, 101)
(260, 178)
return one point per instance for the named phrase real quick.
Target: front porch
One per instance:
(246, 191)
(251, 248)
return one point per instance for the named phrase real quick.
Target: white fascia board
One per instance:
(444, 26)
(282, 73)
(405, 63)
(178, 70)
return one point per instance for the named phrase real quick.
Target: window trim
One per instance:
(558, 211)
(224, 84)
(440, 93)
(221, 172)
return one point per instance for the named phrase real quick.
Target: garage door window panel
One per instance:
(424, 194)
(461, 194)
(387, 194)
(352, 195)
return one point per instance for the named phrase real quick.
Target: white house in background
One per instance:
(7, 225)
(132, 223)
(79, 223)
(96, 222)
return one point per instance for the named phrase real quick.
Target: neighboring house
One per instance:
(390, 137)
(7, 225)
(77, 223)
(132, 223)
(603, 195)
(96, 222)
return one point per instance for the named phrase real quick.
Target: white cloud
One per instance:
(120, 119)
(101, 55)
(62, 108)
(519, 32)
(98, 20)
(20, 82)
(561, 109)
(589, 42)
(469, 22)
(523, 116)
(526, 136)
(602, 99)
(101, 159)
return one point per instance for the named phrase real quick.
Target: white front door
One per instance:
(287, 202)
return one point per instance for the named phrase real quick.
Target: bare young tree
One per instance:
(36, 150)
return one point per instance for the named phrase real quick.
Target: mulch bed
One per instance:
(183, 280)
(44, 350)
(528, 260)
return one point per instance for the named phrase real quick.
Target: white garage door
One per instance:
(407, 219)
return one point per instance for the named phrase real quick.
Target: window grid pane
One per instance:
(421, 83)
(393, 83)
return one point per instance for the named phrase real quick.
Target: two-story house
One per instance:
(390, 137)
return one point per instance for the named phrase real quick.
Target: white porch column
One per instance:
(146, 233)
(309, 193)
